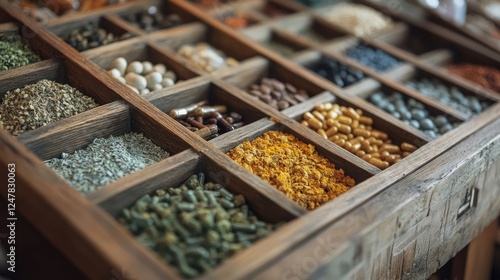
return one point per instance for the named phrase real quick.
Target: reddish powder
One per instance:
(484, 76)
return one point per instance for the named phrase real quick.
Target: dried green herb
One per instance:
(106, 160)
(14, 53)
(39, 104)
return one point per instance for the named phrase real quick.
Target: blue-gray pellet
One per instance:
(373, 58)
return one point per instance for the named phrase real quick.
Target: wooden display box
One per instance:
(402, 222)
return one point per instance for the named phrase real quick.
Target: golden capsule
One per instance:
(304, 123)
(332, 131)
(405, 154)
(332, 114)
(359, 111)
(367, 157)
(330, 122)
(379, 163)
(315, 123)
(384, 155)
(342, 136)
(392, 149)
(362, 132)
(307, 116)
(318, 115)
(344, 129)
(207, 131)
(361, 153)
(375, 155)
(320, 107)
(334, 137)
(350, 112)
(355, 124)
(328, 106)
(322, 133)
(380, 135)
(375, 148)
(344, 120)
(348, 146)
(407, 147)
(365, 120)
(354, 140)
(356, 147)
(365, 145)
(350, 136)
(340, 142)
(391, 159)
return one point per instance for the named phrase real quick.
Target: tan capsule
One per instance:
(342, 136)
(328, 106)
(340, 142)
(367, 157)
(375, 155)
(391, 159)
(318, 115)
(350, 136)
(304, 123)
(342, 108)
(362, 132)
(375, 148)
(332, 131)
(405, 154)
(334, 137)
(350, 112)
(207, 131)
(371, 139)
(384, 155)
(355, 124)
(393, 149)
(202, 111)
(344, 129)
(361, 153)
(365, 120)
(348, 146)
(407, 147)
(344, 120)
(307, 116)
(322, 133)
(359, 111)
(365, 145)
(330, 122)
(356, 147)
(336, 107)
(320, 107)
(379, 163)
(315, 123)
(362, 126)
(354, 140)
(380, 135)
(332, 114)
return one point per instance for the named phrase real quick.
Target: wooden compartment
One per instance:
(283, 43)
(200, 90)
(387, 218)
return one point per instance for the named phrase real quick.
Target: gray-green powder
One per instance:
(39, 104)
(14, 53)
(106, 160)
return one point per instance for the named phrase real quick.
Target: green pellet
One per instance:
(250, 228)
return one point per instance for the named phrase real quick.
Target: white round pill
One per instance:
(153, 78)
(157, 87)
(135, 67)
(170, 74)
(119, 63)
(115, 73)
(144, 91)
(160, 68)
(136, 80)
(167, 82)
(147, 67)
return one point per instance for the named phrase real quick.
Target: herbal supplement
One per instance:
(14, 53)
(151, 19)
(106, 160)
(207, 121)
(39, 104)
(206, 57)
(293, 167)
(142, 76)
(448, 95)
(373, 58)
(91, 36)
(485, 76)
(358, 19)
(413, 113)
(354, 132)
(336, 72)
(195, 226)
(278, 94)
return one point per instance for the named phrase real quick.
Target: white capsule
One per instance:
(170, 74)
(147, 67)
(136, 80)
(167, 82)
(160, 68)
(119, 63)
(153, 78)
(157, 87)
(115, 73)
(144, 91)
(133, 88)
(135, 67)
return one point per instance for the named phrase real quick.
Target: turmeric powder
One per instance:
(293, 167)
